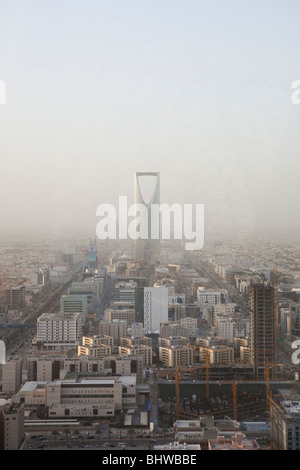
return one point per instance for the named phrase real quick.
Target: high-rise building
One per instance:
(2, 352)
(14, 297)
(155, 307)
(11, 376)
(262, 327)
(147, 251)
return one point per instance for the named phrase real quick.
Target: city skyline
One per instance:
(149, 229)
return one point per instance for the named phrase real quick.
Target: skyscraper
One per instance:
(262, 327)
(92, 255)
(147, 251)
(155, 307)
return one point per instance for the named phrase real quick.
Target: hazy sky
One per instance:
(197, 90)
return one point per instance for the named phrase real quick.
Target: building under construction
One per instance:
(263, 328)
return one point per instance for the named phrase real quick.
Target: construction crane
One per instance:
(280, 411)
(234, 398)
(207, 367)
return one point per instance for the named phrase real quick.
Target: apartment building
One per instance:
(174, 356)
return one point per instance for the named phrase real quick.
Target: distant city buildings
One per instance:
(40, 277)
(2, 352)
(127, 314)
(211, 296)
(115, 328)
(14, 297)
(122, 324)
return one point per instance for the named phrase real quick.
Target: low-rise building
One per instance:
(237, 442)
(86, 397)
(217, 354)
(58, 331)
(139, 350)
(98, 351)
(174, 356)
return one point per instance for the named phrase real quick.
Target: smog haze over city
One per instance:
(199, 91)
(149, 227)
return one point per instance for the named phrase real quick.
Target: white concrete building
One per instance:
(58, 331)
(211, 296)
(231, 327)
(155, 307)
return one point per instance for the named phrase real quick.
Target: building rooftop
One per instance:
(236, 442)
(178, 446)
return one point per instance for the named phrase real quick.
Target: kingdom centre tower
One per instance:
(147, 251)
